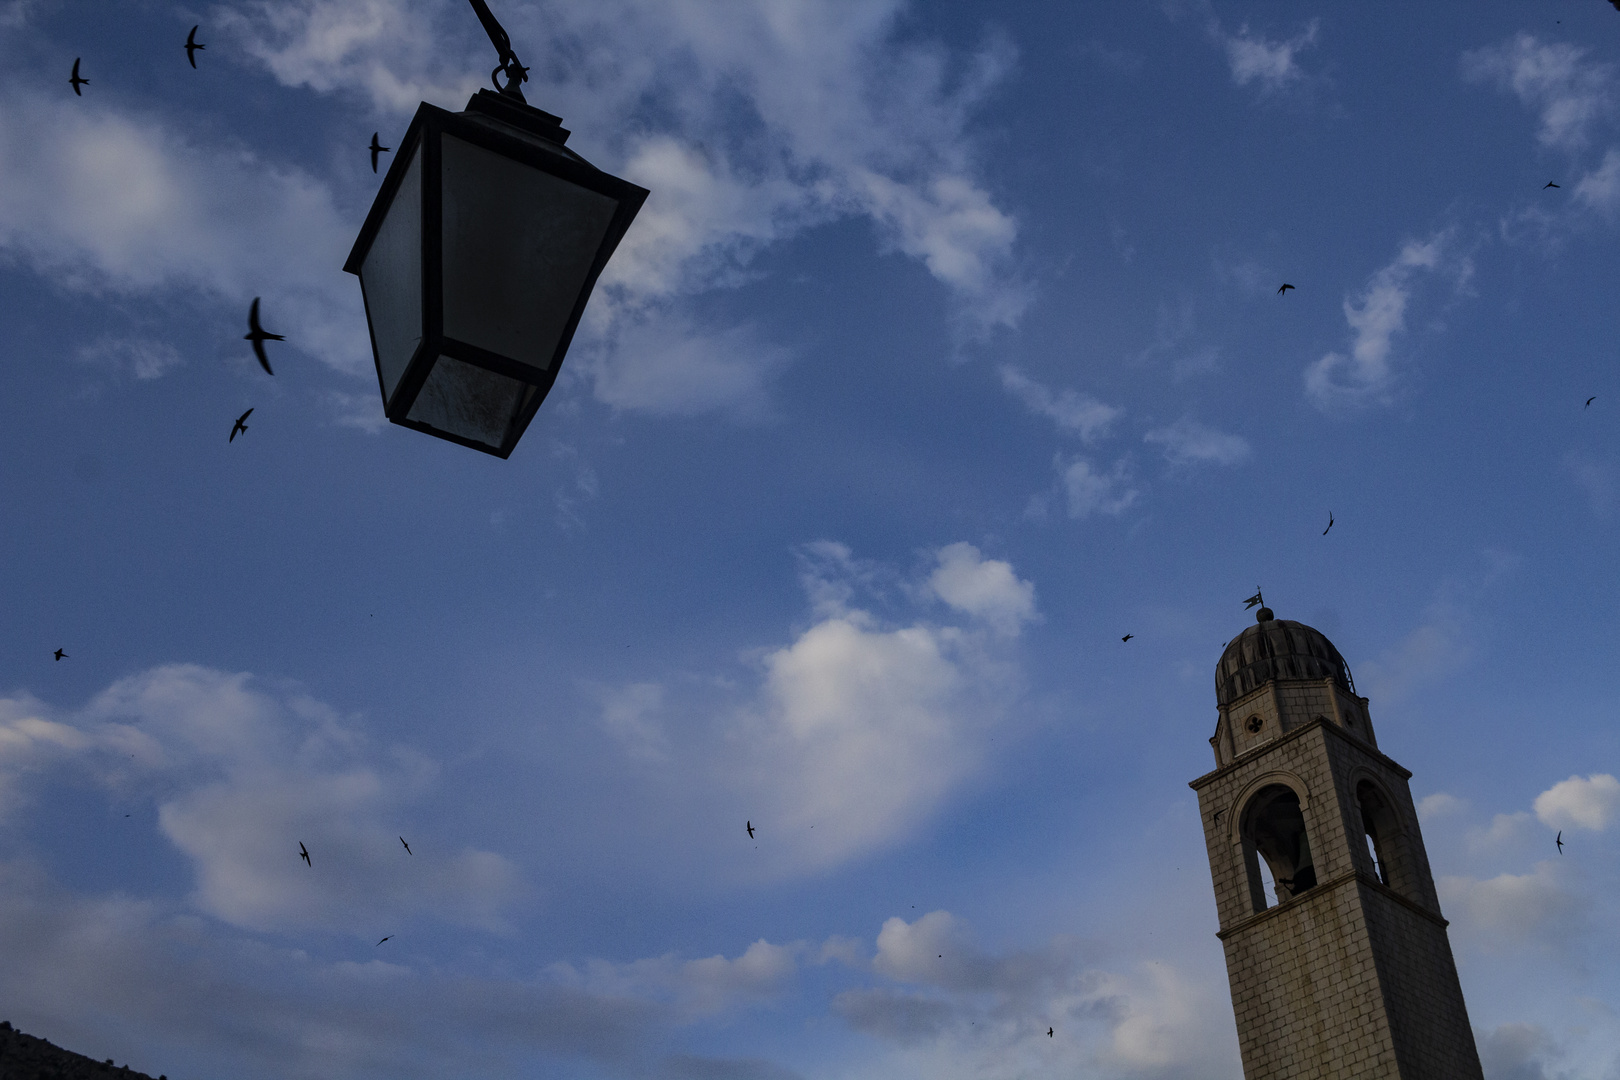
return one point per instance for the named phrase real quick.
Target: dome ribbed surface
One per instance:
(1277, 649)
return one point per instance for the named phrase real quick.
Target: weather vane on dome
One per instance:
(1254, 601)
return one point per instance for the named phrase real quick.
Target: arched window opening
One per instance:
(1383, 833)
(1275, 845)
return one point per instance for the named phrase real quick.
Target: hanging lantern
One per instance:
(477, 259)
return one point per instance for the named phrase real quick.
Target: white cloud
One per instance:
(1430, 651)
(1506, 832)
(863, 732)
(630, 715)
(1554, 78)
(957, 1011)
(1080, 414)
(241, 776)
(1514, 909)
(693, 988)
(106, 201)
(1596, 478)
(1261, 60)
(1440, 805)
(1365, 375)
(660, 363)
(860, 729)
(1187, 442)
(1600, 188)
(143, 358)
(1515, 1051)
(984, 588)
(1591, 802)
(1090, 490)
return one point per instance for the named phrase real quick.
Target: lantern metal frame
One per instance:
(484, 125)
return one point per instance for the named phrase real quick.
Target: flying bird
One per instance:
(1330, 523)
(1048, 1033)
(1547, 185)
(384, 939)
(259, 336)
(1560, 841)
(192, 46)
(750, 830)
(303, 853)
(60, 655)
(240, 425)
(1589, 401)
(407, 846)
(75, 80)
(377, 148)
(1127, 637)
(1284, 287)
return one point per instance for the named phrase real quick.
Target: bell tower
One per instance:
(1335, 947)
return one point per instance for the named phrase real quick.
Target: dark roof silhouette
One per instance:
(1277, 649)
(24, 1057)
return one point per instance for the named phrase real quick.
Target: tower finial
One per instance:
(1264, 614)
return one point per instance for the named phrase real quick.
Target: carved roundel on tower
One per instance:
(1254, 724)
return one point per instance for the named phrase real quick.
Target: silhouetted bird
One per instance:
(1589, 401)
(60, 655)
(750, 830)
(1283, 288)
(258, 336)
(1127, 637)
(384, 939)
(407, 846)
(75, 80)
(303, 853)
(1048, 1033)
(240, 426)
(192, 46)
(376, 149)
(1330, 523)
(1559, 840)
(1547, 185)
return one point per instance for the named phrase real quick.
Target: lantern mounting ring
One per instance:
(509, 65)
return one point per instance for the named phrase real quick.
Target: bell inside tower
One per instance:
(1274, 830)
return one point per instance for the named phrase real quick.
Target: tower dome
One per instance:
(1277, 649)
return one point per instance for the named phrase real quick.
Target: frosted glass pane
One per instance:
(470, 401)
(391, 278)
(518, 244)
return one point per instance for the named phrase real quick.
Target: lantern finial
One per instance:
(516, 74)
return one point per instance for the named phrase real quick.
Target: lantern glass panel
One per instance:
(472, 402)
(518, 246)
(391, 281)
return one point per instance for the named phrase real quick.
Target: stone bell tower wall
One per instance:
(1351, 977)
(1428, 1019)
(1306, 992)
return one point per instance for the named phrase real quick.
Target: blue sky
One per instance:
(945, 352)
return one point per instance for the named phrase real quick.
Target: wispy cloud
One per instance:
(1366, 374)
(1187, 442)
(1088, 489)
(240, 774)
(771, 120)
(1600, 189)
(1072, 411)
(107, 201)
(1268, 63)
(144, 358)
(1555, 79)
